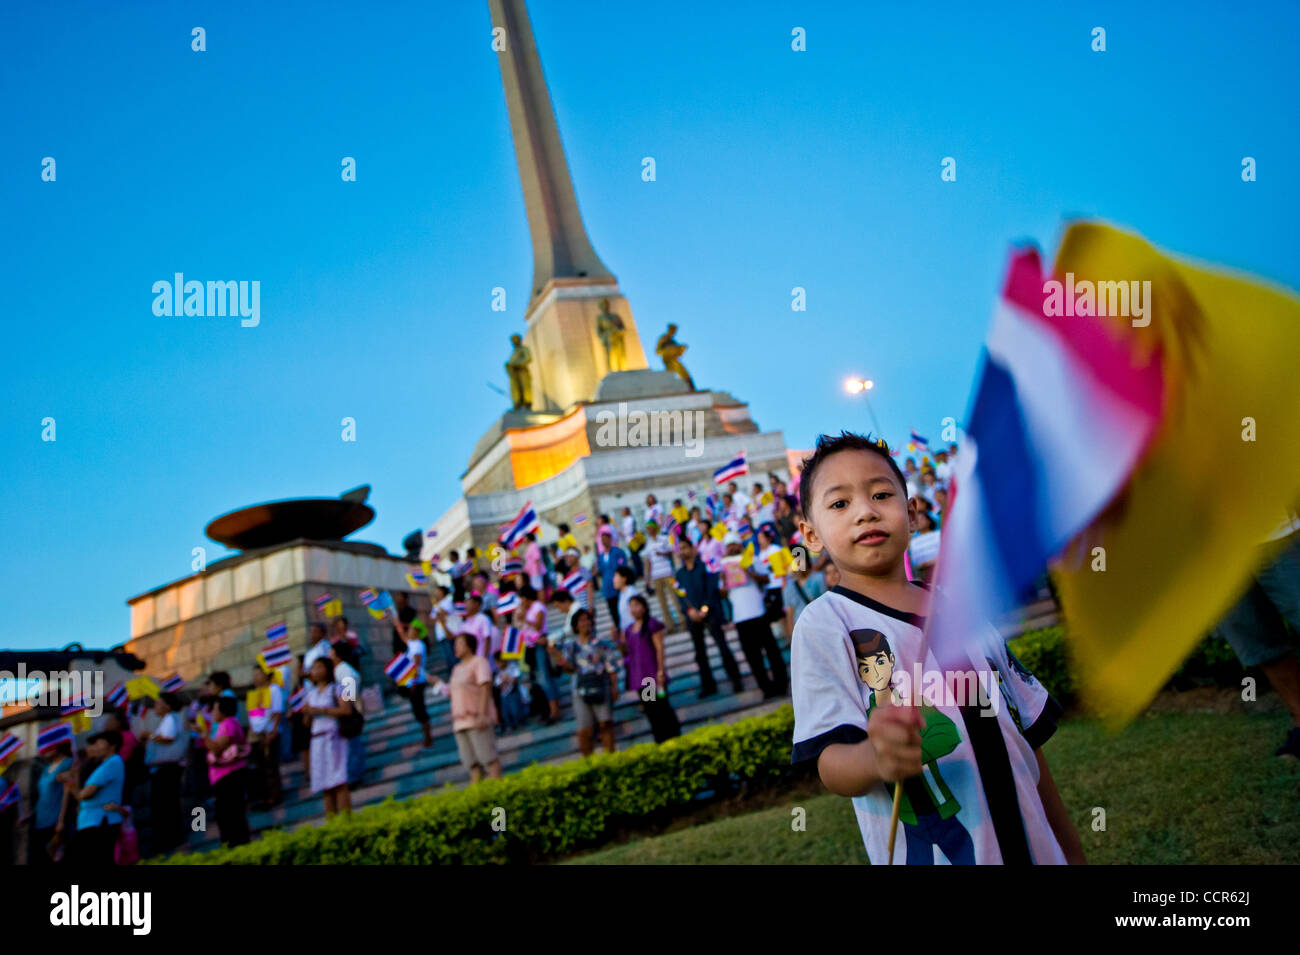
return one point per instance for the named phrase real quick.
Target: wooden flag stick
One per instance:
(898, 786)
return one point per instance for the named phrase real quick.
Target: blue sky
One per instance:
(775, 169)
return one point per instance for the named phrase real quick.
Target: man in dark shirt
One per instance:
(701, 601)
(405, 613)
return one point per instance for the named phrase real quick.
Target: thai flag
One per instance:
(276, 656)
(401, 669)
(172, 684)
(298, 700)
(508, 604)
(512, 567)
(117, 697)
(580, 519)
(78, 705)
(275, 632)
(1061, 414)
(10, 797)
(512, 643)
(368, 597)
(322, 600)
(416, 578)
(690, 494)
(431, 532)
(731, 470)
(9, 745)
(919, 441)
(713, 563)
(525, 521)
(52, 736)
(459, 608)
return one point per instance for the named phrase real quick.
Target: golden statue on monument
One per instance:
(671, 351)
(609, 329)
(521, 380)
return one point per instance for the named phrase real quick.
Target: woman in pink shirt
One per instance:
(531, 618)
(227, 757)
(473, 712)
(533, 561)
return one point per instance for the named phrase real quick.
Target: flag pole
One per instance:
(898, 786)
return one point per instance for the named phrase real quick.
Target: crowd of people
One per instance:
(729, 558)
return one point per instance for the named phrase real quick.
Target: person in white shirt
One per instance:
(744, 586)
(446, 624)
(659, 575)
(415, 689)
(626, 591)
(739, 497)
(318, 646)
(653, 510)
(342, 655)
(763, 504)
(165, 755)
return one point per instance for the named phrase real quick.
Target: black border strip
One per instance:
(1044, 727)
(915, 619)
(985, 735)
(811, 749)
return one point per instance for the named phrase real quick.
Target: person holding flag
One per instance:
(56, 759)
(973, 789)
(322, 710)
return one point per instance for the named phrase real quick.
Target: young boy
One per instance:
(976, 787)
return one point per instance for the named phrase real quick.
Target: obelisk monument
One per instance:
(570, 355)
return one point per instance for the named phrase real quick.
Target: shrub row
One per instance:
(539, 813)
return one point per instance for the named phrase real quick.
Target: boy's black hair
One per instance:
(220, 679)
(627, 573)
(561, 596)
(845, 441)
(227, 705)
(471, 641)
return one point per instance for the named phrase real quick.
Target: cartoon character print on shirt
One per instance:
(928, 809)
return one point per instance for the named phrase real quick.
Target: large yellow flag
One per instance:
(1178, 546)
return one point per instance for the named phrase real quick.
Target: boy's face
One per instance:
(859, 515)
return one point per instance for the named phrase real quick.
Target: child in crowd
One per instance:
(975, 789)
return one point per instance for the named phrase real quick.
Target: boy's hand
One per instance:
(895, 735)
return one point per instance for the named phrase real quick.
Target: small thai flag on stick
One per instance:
(416, 578)
(525, 522)
(277, 630)
(731, 470)
(298, 700)
(52, 736)
(117, 697)
(401, 669)
(9, 745)
(173, 683)
(10, 797)
(512, 644)
(512, 566)
(368, 597)
(580, 519)
(77, 705)
(459, 608)
(322, 600)
(276, 656)
(508, 604)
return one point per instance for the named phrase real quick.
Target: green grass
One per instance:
(1177, 788)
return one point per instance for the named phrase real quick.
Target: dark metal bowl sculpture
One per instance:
(277, 522)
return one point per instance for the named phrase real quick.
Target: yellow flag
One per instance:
(718, 531)
(259, 698)
(427, 567)
(80, 722)
(334, 608)
(142, 687)
(680, 514)
(1162, 565)
(747, 555)
(780, 561)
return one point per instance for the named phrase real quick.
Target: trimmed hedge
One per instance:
(1045, 653)
(549, 811)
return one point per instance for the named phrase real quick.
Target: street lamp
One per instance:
(860, 386)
